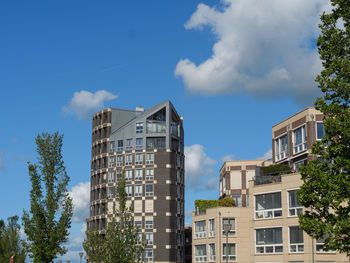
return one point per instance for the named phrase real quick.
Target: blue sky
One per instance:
(232, 68)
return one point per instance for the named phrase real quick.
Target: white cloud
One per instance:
(199, 168)
(81, 201)
(84, 102)
(2, 166)
(263, 49)
(227, 158)
(267, 155)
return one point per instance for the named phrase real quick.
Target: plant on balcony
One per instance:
(203, 205)
(275, 169)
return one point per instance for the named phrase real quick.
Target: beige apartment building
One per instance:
(265, 228)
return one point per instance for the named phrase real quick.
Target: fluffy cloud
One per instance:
(227, 158)
(267, 155)
(264, 49)
(81, 201)
(199, 168)
(84, 102)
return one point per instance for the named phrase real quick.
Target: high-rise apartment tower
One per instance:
(149, 146)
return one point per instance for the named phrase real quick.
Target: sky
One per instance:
(231, 68)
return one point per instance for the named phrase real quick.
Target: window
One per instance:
(212, 227)
(139, 143)
(149, 174)
(200, 253)
(231, 222)
(238, 200)
(111, 147)
(128, 159)
(231, 252)
(120, 145)
(139, 127)
(138, 190)
(155, 143)
(138, 158)
(138, 223)
(111, 161)
(149, 189)
(149, 158)
(139, 239)
(320, 132)
(269, 240)
(128, 175)
(211, 252)
(128, 190)
(294, 207)
(119, 160)
(110, 177)
(300, 141)
(298, 164)
(110, 192)
(149, 223)
(138, 175)
(148, 255)
(296, 239)
(200, 229)
(320, 246)
(268, 205)
(119, 174)
(149, 238)
(281, 147)
(128, 144)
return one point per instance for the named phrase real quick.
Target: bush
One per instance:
(275, 169)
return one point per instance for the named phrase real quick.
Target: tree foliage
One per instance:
(326, 188)
(120, 241)
(10, 241)
(227, 202)
(51, 210)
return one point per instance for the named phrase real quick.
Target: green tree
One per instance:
(51, 210)
(120, 241)
(10, 241)
(326, 188)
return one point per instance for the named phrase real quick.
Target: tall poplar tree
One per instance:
(51, 210)
(326, 188)
(120, 241)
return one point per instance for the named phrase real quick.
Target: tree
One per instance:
(10, 241)
(326, 188)
(51, 210)
(120, 241)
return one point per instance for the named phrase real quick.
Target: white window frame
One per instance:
(149, 160)
(231, 258)
(148, 225)
(120, 148)
(149, 193)
(110, 177)
(138, 160)
(149, 241)
(280, 152)
(138, 190)
(264, 214)
(211, 227)
(128, 159)
(128, 175)
(139, 127)
(212, 256)
(128, 147)
(119, 160)
(298, 209)
(232, 232)
(324, 132)
(147, 257)
(111, 146)
(297, 148)
(200, 234)
(268, 245)
(127, 192)
(202, 258)
(299, 247)
(148, 176)
(138, 175)
(111, 161)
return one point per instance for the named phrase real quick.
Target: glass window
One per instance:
(200, 252)
(138, 190)
(298, 164)
(149, 189)
(139, 127)
(294, 207)
(238, 200)
(200, 229)
(138, 175)
(149, 223)
(148, 255)
(138, 158)
(119, 174)
(128, 175)
(296, 239)
(281, 147)
(212, 227)
(231, 222)
(128, 144)
(128, 159)
(111, 161)
(268, 205)
(120, 145)
(155, 143)
(128, 190)
(230, 251)
(211, 252)
(269, 240)
(111, 147)
(149, 158)
(139, 143)
(110, 177)
(320, 245)
(320, 130)
(149, 174)
(300, 140)
(149, 238)
(110, 192)
(138, 223)
(119, 160)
